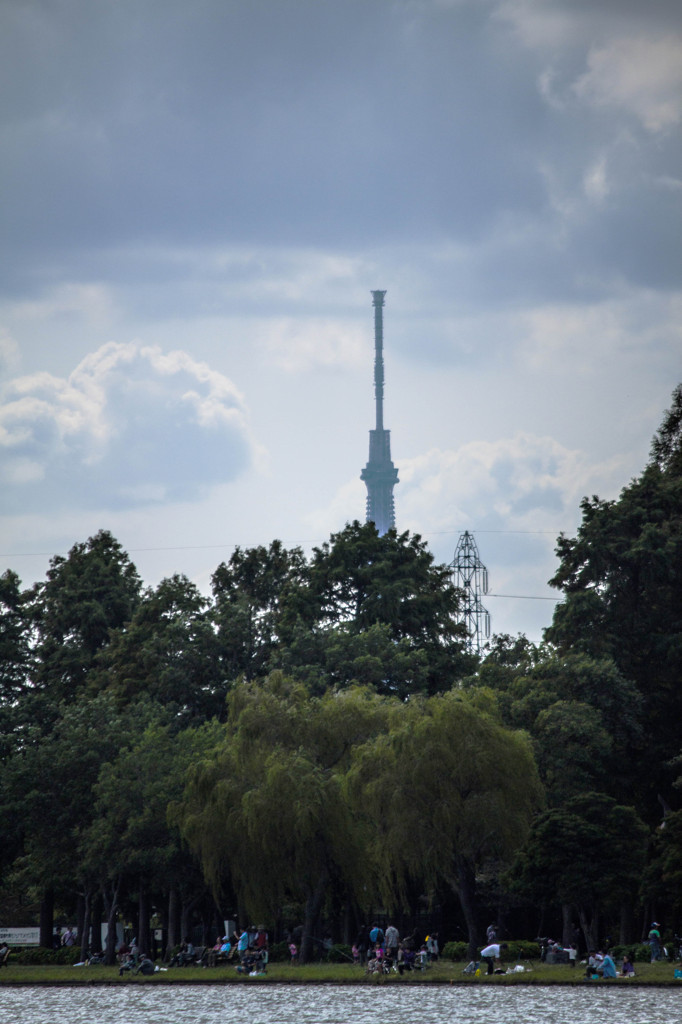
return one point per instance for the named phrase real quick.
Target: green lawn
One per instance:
(444, 972)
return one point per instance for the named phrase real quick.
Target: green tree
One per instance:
(248, 592)
(589, 854)
(129, 844)
(447, 789)
(339, 656)
(48, 790)
(584, 717)
(86, 595)
(167, 653)
(622, 582)
(16, 661)
(267, 810)
(359, 580)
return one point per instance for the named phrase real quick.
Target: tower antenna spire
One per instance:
(379, 475)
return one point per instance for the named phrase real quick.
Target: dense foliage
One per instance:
(311, 742)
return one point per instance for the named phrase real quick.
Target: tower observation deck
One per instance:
(379, 475)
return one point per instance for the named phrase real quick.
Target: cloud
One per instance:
(130, 426)
(522, 483)
(642, 76)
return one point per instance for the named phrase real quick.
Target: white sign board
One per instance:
(20, 936)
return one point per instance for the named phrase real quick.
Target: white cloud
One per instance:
(595, 181)
(9, 350)
(296, 345)
(130, 425)
(640, 75)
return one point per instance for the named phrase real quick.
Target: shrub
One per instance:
(279, 952)
(455, 951)
(33, 955)
(519, 949)
(637, 951)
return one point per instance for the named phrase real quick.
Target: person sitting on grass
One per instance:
(608, 967)
(628, 970)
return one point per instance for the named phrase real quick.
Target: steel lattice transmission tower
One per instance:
(471, 577)
(380, 475)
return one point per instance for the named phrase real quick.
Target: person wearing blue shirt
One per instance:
(608, 967)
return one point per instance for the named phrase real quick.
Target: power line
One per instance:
(314, 540)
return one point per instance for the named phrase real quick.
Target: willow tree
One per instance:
(268, 808)
(447, 789)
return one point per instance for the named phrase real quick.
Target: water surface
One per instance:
(332, 1004)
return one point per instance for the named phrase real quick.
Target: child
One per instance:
(293, 950)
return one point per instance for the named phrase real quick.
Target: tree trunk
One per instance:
(143, 917)
(47, 919)
(313, 907)
(590, 926)
(185, 912)
(96, 922)
(84, 925)
(173, 938)
(111, 907)
(567, 924)
(465, 888)
(627, 924)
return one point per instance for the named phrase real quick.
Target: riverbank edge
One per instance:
(616, 983)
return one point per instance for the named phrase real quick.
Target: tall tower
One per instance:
(471, 576)
(380, 475)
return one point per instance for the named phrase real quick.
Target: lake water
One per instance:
(333, 1004)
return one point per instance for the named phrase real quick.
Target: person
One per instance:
(628, 970)
(432, 946)
(376, 935)
(293, 952)
(608, 967)
(391, 938)
(492, 953)
(145, 966)
(243, 944)
(491, 933)
(572, 954)
(655, 941)
(592, 964)
(362, 942)
(68, 938)
(4, 954)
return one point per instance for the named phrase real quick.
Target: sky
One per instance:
(198, 199)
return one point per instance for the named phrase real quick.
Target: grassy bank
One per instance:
(444, 972)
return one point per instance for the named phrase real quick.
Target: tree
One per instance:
(86, 595)
(129, 843)
(622, 582)
(48, 786)
(360, 579)
(447, 788)
(15, 661)
(167, 653)
(248, 593)
(584, 717)
(589, 854)
(339, 656)
(268, 810)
